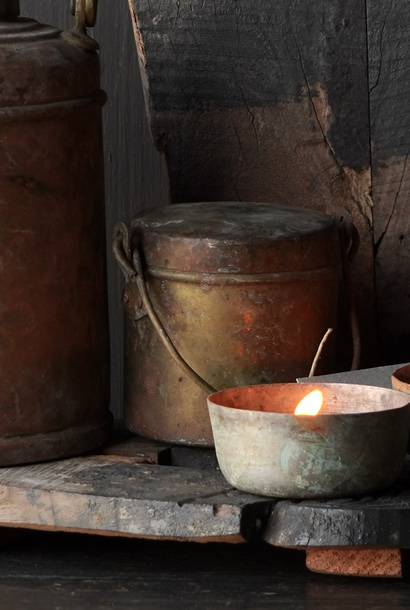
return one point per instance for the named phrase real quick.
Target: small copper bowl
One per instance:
(355, 445)
(400, 379)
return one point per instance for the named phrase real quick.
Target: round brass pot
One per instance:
(245, 293)
(355, 445)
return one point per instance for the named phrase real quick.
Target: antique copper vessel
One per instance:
(54, 365)
(356, 444)
(242, 292)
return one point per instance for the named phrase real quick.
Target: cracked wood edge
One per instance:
(389, 86)
(341, 525)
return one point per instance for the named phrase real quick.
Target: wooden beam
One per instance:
(116, 496)
(389, 85)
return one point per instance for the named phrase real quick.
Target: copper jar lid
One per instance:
(236, 237)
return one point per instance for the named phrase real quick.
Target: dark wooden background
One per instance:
(295, 101)
(298, 101)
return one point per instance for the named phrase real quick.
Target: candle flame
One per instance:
(310, 404)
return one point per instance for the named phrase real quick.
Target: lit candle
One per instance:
(310, 404)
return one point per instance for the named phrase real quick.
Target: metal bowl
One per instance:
(355, 445)
(400, 379)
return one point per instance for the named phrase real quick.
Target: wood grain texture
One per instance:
(60, 571)
(57, 571)
(124, 498)
(198, 457)
(355, 562)
(136, 176)
(340, 524)
(389, 86)
(244, 55)
(264, 101)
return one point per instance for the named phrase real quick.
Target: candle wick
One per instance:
(318, 353)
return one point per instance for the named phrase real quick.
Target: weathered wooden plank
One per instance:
(340, 524)
(148, 451)
(142, 450)
(194, 457)
(376, 522)
(389, 85)
(261, 101)
(118, 496)
(201, 60)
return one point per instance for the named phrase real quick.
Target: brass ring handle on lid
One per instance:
(85, 12)
(130, 263)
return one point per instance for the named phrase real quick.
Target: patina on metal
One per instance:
(54, 367)
(355, 445)
(242, 292)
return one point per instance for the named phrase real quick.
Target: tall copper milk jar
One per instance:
(220, 295)
(54, 366)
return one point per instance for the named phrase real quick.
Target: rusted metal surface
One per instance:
(53, 316)
(144, 305)
(355, 445)
(244, 291)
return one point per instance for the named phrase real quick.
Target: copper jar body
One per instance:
(54, 366)
(245, 292)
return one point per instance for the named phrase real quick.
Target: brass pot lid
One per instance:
(236, 237)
